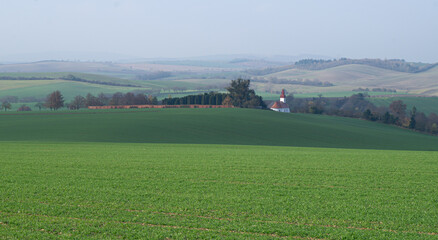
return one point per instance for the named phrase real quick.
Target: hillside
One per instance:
(210, 126)
(348, 77)
(398, 65)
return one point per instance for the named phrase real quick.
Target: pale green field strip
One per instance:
(158, 191)
(7, 85)
(69, 89)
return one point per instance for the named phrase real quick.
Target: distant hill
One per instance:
(109, 67)
(336, 78)
(351, 76)
(391, 64)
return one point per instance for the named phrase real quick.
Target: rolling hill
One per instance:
(344, 80)
(210, 126)
(348, 77)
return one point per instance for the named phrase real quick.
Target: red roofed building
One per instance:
(281, 106)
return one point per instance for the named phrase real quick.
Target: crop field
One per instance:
(213, 173)
(119, 190)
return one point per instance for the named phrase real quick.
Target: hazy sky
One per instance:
(184, 28)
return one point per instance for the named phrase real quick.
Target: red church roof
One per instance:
(279, 104)
(282, 94)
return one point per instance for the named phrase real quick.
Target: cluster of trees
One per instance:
(5, 105)
(55, 101)
(211, 98)
(374, 90)
(299, 81)
(242, 96)
(24, 108)
(358, 106)
(239, 95)
(71, 77)
(391, 64)
(117, 98)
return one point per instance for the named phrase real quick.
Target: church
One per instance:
(281, 106)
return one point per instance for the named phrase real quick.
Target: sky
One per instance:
(41, 29)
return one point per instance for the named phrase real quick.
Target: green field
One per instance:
(108, 190)
(210, 126)
(213, 173)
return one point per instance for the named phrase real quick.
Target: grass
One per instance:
(158, 191)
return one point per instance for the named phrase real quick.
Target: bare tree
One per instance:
(6, 105)
(77, 103)
(55, 100)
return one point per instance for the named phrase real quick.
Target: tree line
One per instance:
(117, 98)
(374, 90)
(211, 98)
(239, 95)
(55, 101)
(358, 106)
(298, 81)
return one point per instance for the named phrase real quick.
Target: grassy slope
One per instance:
(213, 126)
(159, 191)
(425, 82)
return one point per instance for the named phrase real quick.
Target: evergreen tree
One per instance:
(413, 122)
(242, 96)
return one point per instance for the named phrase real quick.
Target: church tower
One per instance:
(282, 97)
